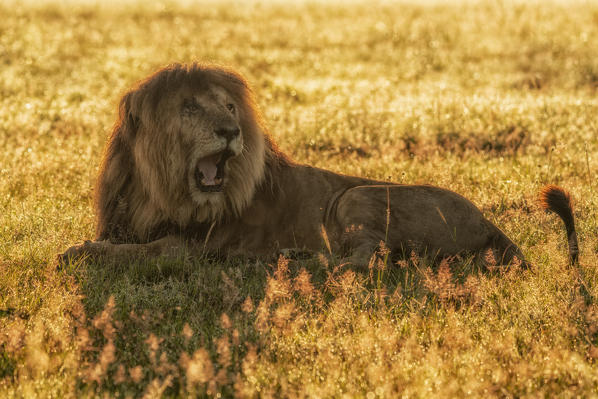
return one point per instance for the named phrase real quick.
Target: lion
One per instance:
(190, 166)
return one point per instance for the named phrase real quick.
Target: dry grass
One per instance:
(490, 99)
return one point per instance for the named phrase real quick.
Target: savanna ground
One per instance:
(490, 99)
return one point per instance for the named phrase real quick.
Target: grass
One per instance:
(490, 99)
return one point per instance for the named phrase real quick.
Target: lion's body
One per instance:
(190, 163)
(353, 212)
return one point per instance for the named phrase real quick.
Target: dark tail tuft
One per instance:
(557, 200)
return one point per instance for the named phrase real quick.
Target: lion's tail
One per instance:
(557, 200)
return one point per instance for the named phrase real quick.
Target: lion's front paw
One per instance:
(87, 249)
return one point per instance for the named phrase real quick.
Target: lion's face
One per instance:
(209, 124)
(197, 143)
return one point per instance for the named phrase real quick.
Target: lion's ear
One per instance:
(129, 116)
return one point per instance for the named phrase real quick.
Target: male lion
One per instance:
(190, 165)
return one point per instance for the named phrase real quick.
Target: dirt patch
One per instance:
(509, 141)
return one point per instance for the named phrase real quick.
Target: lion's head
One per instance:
(189, 146)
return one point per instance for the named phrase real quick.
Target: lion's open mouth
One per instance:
(209, 173)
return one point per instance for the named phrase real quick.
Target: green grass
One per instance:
(490, 99)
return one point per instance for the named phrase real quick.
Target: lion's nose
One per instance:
(228, 133)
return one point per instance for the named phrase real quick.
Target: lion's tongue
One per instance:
(208, 168)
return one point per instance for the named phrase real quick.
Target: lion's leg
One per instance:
(360, 225)
(428, 220)
(170, 246)
(359, 242)
(361, 254)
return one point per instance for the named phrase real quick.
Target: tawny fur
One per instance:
(148, 201)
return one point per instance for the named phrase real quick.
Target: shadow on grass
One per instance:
(185, 326)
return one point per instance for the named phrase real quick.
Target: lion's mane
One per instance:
(142, 187)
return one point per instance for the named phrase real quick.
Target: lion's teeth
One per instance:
(211, 182)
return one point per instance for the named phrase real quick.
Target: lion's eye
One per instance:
(231, 107)
(190, 106)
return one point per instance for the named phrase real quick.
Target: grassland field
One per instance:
(491, 99)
